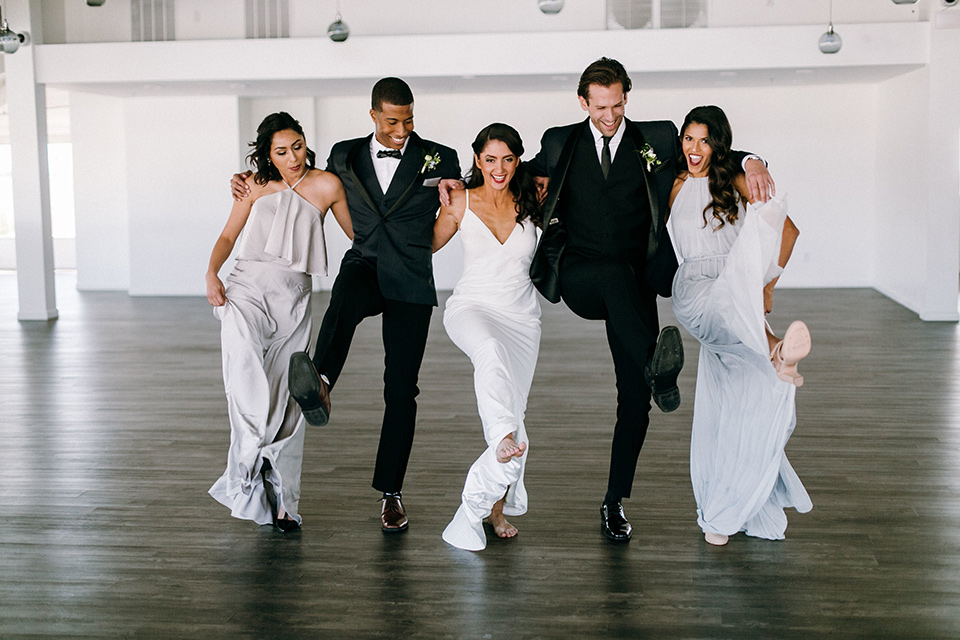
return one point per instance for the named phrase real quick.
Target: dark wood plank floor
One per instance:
(114, 426)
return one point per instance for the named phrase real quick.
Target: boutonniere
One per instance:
(430, 161)
(649, 156)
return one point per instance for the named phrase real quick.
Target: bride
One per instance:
(493, 316)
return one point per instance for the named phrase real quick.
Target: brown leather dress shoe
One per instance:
(614, 523)
(308, 389)
(393, 519)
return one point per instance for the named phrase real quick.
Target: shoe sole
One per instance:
(393, 529)
(667, 362)
(304, 384)
(796, 343)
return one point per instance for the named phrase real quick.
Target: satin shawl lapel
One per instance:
(408, 177)
(656, 215)
(652, 191)
(359, 162)
(563, 166)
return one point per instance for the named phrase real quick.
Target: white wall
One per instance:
(224, 19)
(917, 218)
(943, 182)
(743, 13)
(837, 150)
(100, 192)
(180, 153)
(820, 142)
(902, 199)
(209, 19)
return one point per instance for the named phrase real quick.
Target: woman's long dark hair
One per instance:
(522, 185)
(722, 170)
(265, 171)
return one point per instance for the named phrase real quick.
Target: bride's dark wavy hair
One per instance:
(259, 158)
(522, 185)
(722, 170)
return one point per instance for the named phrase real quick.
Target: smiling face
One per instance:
(696, 149)
(288, 153)
(497, 164)
(605, 106)
(393, 123)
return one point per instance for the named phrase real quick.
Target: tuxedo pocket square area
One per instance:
(431, 182)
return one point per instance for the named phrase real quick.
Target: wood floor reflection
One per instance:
(113, 427)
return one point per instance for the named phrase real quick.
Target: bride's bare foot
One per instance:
(508, 448)
(501, 527)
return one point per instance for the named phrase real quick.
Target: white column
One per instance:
(31, 181)
(943, 229)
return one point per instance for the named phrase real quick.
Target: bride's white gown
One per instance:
(743, 414)
(493, 316)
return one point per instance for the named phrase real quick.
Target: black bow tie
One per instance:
(389, 153)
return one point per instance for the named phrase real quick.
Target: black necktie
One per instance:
(389, 153)
(605, 157)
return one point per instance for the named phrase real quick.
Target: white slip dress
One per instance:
(493, 316)
(743, 414)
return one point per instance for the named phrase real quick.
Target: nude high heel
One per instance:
(716, 539)
(791, 350)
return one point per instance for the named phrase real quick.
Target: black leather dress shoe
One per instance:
(614, 523)
(393, 519)
(308, 389)
(280, 525)
(663, 368)
(285, 525)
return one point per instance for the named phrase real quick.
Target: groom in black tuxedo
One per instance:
(605, 251)
(390, 178)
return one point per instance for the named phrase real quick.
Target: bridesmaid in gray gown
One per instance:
(264, 311)
(744, 409)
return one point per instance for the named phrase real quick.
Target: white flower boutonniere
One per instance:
(430, 161)
(649, 156)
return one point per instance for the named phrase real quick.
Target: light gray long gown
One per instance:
(743, 414)
(266, 320)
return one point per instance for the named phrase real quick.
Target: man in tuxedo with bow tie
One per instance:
(390, 178)
(606, 252)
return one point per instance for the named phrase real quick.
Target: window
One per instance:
(62, 217)
(656, 14)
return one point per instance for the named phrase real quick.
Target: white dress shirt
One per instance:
(614, 140)
(385, 167)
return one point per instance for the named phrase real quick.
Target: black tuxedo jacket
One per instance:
(393, 231)
(553, 161)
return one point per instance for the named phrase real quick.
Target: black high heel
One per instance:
(280, 525)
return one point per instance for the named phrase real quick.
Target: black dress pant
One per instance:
(356, 295)
(609, 289)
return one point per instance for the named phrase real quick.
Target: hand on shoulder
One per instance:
(457, 206)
